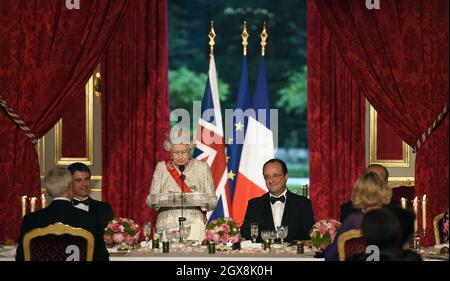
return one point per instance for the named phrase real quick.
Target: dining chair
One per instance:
(351, 243)
(58, 242)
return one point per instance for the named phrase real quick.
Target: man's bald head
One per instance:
(380, 170)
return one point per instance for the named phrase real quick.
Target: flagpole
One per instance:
(264, 36)
(206, 149)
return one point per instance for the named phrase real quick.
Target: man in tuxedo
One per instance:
(347, 208)
(279, 207)
(58, 182)
(81, 188)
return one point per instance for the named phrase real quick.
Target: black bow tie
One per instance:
(275, 199)
(76, 202)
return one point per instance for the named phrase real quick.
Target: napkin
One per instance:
(439, 246)
(249, 244)
(9, 252)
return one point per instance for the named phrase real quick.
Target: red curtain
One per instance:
(47, 53)
(336, 122)
(399, 55)
(135, 108)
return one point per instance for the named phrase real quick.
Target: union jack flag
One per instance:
(210, 146)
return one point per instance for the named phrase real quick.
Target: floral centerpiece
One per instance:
(122, 233)
(323, 232)
(224, 232)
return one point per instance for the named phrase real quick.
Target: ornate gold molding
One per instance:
(94, 178)
(401, 181)
(41, 155)
(402, 163)
(89, 159)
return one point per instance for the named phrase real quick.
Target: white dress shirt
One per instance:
(278, 210)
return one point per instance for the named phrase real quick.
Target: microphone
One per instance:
(182, 167)
(182, 218)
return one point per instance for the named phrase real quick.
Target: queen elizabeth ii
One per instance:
(181, 176)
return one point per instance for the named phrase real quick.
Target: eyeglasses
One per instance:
(274, 177)
(180, 153)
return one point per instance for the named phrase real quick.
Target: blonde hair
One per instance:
(370, 191)
(57, 181)
(178, 136)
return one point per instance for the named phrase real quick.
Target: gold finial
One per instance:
(245, 36)
(211, 36)
(264, 36)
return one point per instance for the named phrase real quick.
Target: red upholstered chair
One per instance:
(58, 242)
(351, 243)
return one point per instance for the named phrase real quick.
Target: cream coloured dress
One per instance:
(198, 179)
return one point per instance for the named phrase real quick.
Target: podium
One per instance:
(180, 200)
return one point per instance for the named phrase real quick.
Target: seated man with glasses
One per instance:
(279, 207)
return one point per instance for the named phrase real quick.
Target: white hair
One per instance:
(178, 136)
(57, 181)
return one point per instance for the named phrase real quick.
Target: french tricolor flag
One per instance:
(257, 149)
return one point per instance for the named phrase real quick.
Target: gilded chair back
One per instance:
(351, 243)
(58, 242)
(437, 228)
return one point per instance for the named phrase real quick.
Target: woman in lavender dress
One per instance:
(370, 192)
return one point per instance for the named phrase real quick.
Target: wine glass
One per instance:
(169, 235)
(254, 231)
(175, 234)
(184, 233)
(159, 233)
(273, 236)
(282, 232)
(265, 235)
(147, 228)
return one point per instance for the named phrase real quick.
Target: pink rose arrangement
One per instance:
(122, 232)
(223, 230)
(324, 231)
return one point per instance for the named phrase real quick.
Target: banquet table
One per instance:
(201, 254)
(181, 253)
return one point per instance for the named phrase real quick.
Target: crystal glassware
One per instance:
(273, 236)
(254, 231)
(282, 232)
(147, 229)
(184, 232)
(265, 235)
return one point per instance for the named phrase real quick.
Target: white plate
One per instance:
(439, 246)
